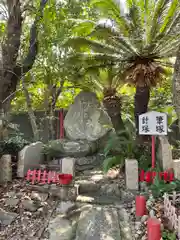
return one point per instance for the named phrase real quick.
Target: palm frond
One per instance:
(111, 9)
(87, 59)
(79, 42)
(160, 11)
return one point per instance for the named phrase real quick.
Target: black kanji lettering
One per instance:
(159, 120)
(160, 129)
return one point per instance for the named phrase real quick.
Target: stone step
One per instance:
(87, 186)
(98, 223)
(95, 199)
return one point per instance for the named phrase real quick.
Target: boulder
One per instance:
(89, 162)
(86, 119)
(67, 148)
(98, 223)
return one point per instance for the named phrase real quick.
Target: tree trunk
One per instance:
(176, 86)
(32, 117)
(51, 97)
(112, 105)
(141, 100)
(11, 71)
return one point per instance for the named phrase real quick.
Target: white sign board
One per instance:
(153, 123)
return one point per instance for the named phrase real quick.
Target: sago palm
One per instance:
(139, 42)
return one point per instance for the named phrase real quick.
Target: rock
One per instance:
(97, 177)
(137, 225)
(98, 223)
(29, 205)
(89, 162)
(110, 189)
(6, 218)
(29, 158)
(86, 119)
(44, 188)
(5, 169)
(165, 153)
(123, 215)
(113, 173)
(60, 228)
(12, 194)
(64, 193)
(144, 218)
(86, 186)
(67, 148)
(39, 196)
(64, 207)
(125, 224)
(152, 213)
(127, 196)
(68, 165)
(19, 194)
(55, 161)
(12, 202)
(132, 175)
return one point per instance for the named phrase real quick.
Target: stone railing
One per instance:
(171, 211)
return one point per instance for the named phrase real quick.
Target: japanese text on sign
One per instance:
(153, 123)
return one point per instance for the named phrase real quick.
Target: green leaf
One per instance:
(112, 161)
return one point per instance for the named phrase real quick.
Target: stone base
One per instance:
(132, 177)
(64, 193)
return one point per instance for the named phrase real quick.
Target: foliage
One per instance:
(123, 146)
(110, 162)
(159, 186)
(13, 145)
(166, 235)
(138, 43)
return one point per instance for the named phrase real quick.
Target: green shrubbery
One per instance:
(13, 145)
(122, 146)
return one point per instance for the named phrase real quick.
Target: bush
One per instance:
(122, 146)
(13, 145)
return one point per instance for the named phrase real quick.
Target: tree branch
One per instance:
(33, 44)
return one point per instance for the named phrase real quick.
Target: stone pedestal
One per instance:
(68, 165)
(5, 169)
(132, 177)
(176, 167)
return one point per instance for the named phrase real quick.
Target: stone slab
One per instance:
(64, 193)
(29, 158)
(86, 119)
(176, 167)
(132, 177)
(165, 153)
(60, 229)
(6, 218)
(98, 223)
